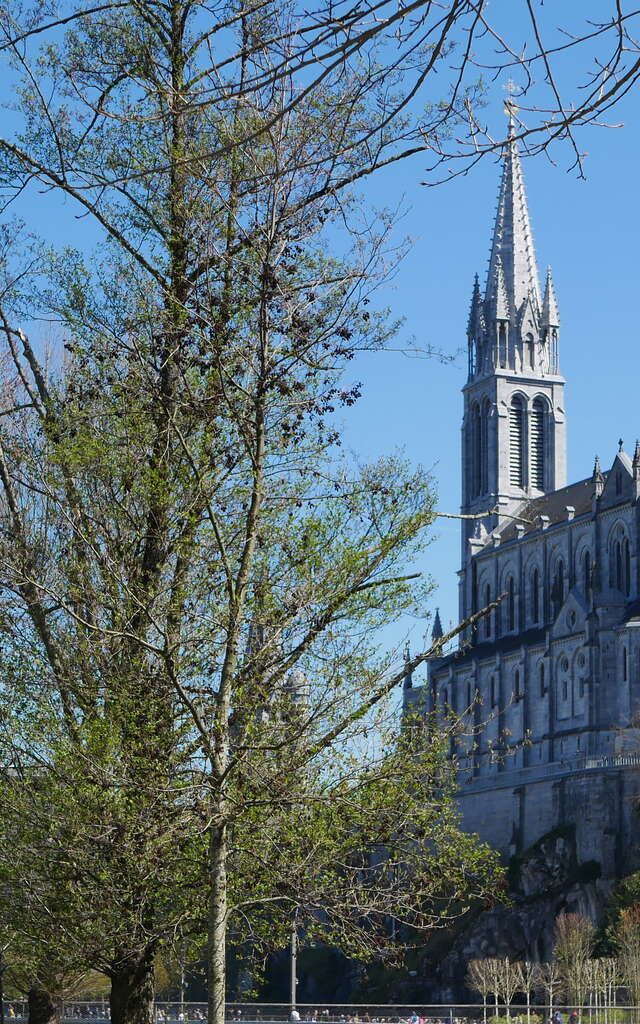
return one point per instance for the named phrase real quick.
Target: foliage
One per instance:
(200, 732)
(574, 940)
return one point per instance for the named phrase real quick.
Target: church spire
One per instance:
(597, 478)
(550, 315)
(475, 325)
(512, 243)
(437, 632)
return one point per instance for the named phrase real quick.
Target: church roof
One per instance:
(512, 244)
(554, 505)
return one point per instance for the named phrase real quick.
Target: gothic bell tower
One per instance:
(513, 431)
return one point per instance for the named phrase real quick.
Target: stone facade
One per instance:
(548, 683)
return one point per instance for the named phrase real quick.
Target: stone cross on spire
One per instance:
(512, 243)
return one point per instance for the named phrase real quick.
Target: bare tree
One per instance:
(510, 980)
(628, 939)
(531, 979)
(551, 980)
(574, 937)
(479, 979)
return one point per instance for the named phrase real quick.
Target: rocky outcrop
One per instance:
(545, 880)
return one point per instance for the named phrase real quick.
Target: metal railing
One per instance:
(420, 1013)
(543, 772)
(167, 1012)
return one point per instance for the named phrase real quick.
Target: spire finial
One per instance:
(636, 456)
(597, 478)
(407, 682)
(512, 236)
(550, 315)
(474, 325)
(437, 630)
(509, 105)
(620, 444)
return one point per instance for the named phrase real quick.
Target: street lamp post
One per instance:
(293, 964)
(2, 966)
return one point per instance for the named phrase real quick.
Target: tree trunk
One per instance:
(217, 923)
(132, 989)
(42, 1009)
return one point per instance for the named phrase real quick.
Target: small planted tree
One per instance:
(574, 938)
(551, 981)
(510, 980)
(628, 938)
(478, 980)
(531, 976)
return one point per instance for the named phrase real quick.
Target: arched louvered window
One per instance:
(537, 437)
(535, 596)
(476, 450)
(516, 438)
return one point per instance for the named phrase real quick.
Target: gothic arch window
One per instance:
(554, 352)
(541, 676)
(586, 572)
(620, 562)
(511, 605)
(563, 709)
(626, 567)
(530, 351)
(625, 664)
(476, 450)
(516, 442)
(487, 618)
(484, 446)
(516, 684)
(557, 588)
(502, 344)
(535, 596)
(537, 432)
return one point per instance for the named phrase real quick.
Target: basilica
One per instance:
(547, 686)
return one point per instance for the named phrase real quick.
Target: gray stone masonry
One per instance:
(549, 683)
